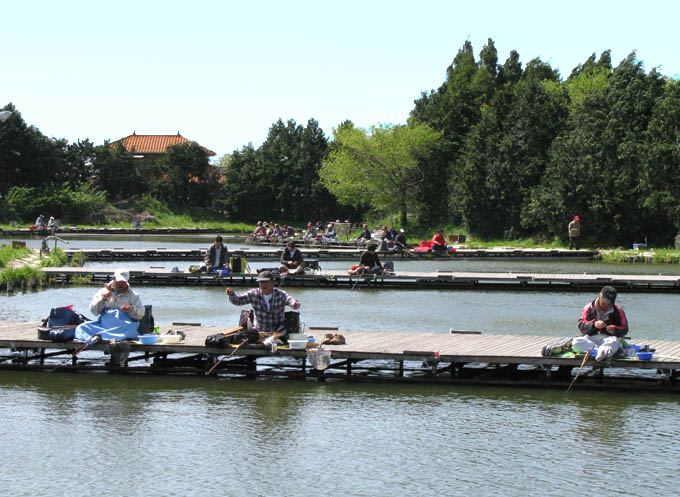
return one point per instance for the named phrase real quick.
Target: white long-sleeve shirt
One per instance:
(116, 301)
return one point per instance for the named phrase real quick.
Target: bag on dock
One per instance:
(223, 340)
(64, 316)
(146, 324)
(60, 325)
(237, 264)
(291, 322)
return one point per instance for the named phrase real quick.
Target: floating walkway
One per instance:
(323, 254)
(66, 230)
(402, 279)
(454, 358)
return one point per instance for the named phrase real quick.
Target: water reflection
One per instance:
(266, 437)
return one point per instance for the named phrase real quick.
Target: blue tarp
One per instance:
(112, 324)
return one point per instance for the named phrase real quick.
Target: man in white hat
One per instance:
(117, 294)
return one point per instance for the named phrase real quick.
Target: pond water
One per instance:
(100, 434)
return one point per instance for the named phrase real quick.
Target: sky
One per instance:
(222, 72)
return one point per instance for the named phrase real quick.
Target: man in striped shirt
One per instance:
(269, 303)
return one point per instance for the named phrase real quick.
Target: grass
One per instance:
(654, 256)
(29, 275)
(8, 253)
(57, 258)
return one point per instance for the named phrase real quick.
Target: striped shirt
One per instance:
(267, 318)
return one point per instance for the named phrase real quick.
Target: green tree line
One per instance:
(523, 151)
(502, 150)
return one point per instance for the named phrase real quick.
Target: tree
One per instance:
(114, 172)
(379, 167)
(185, 176)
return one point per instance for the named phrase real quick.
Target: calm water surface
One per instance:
(77, 434)
(104, 435)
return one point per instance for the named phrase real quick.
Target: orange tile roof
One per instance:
(153, 144)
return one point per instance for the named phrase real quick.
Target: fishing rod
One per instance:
(93, 340)
(226, 356)
(579, 370)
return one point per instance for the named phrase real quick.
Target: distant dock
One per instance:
(383, 356)
(325, 254)
(402, 279)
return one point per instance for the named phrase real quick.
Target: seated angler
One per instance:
(330, 234)
(269, 303)
(260, 230)
(365, 234)
(400, 241)
(288, 231)
(438, 242)
(369, 262)
(119, 308)
(291, 260)
(311, 232)
(277, 232)
(217, 256)
(602, 325)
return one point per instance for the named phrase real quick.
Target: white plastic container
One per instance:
(166, 339)
(298, 344)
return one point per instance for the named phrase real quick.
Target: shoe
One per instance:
(556, 348)
(602, 354)
(327, 339)
(337, 340)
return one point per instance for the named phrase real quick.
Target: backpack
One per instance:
(246, 319)
(237, 264)
(146, 324)
(64, 316)
(222, 341)
(60, 325)
(291, 322)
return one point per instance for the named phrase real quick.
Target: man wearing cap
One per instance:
(40, 222)
(260, 230)
(117, 294)
(369, 262)
(602, 325)
(216, 256)
(291, 259)
(575, 233)
(269, 303)
(400, 241)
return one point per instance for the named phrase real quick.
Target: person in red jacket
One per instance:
(438, 242)
(602, 325)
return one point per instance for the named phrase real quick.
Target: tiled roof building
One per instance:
(152, 146)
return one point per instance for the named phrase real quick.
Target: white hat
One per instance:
(121, 275)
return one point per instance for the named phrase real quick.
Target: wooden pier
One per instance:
(324, 254)
(73, 230)
(456, 358)
(402, 279)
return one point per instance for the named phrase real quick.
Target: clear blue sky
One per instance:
(221, 72)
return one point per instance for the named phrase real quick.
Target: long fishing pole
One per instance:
(94, 339)
(226, 356)
(579, 370)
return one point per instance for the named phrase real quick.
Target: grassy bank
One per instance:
(28, 275)
(8, 253)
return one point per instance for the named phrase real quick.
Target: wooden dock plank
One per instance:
(383, 344)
